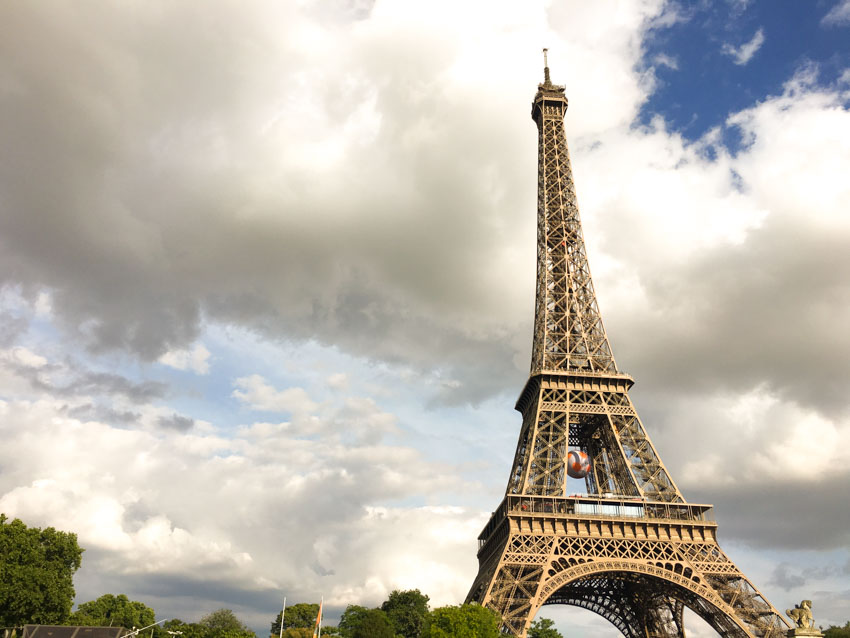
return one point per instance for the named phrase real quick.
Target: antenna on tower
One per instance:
(546, 80)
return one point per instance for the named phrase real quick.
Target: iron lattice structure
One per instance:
(632, 550)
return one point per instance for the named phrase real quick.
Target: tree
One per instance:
(36, 573)
(223, 623)
(838, 632)
(464, 621)
(307, 632)
(543, 628)
(350, 618)
(360, 622)
(407, 612)
(113, 611)
(299, 615)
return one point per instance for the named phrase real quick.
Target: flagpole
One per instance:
(282, 612)
(317, 630)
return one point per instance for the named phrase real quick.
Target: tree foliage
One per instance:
(360, 622)
(36, 573)
(113, 611)
(543, 628)
(407, 612)
(223, 623)
(297, 616)
(838, 632)
(463, 621)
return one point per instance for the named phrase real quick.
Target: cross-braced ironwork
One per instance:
(632, 550)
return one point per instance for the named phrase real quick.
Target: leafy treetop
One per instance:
(113, 611)
(407, 612)
(360, 622)
(297, 616)
(464, 621)
(837, 632)
(36, 573)
(223, 623)
(543, 628)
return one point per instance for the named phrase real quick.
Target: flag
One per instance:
(318, 630)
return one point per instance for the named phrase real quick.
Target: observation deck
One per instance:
(607, 515)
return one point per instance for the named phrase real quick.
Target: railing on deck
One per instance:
(611, 506)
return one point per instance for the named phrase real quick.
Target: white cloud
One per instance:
(259, 395)
(141, 503)
(338, 381)
(196, 359)
(25, 357)
(742, 54)
(838, 16)
(663, 59)
(357, 418)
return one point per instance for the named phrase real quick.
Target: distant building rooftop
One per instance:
(71, 631)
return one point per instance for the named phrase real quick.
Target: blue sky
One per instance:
(268, 272)
(727, 56)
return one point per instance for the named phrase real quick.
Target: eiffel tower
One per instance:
(633, 550)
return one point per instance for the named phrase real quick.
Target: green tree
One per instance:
(223, 623)
(838, 632)
(543, 628)
(299, 615)
(36, 573)
(113, 611)
(307, 632)
(360, 622)
(373, 624)
(407, 612)
(350, 619)
(464, 621)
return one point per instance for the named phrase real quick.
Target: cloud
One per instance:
(706, 267)
(259, 395)
(73, 380)
(338, 381)
(663, 59)
(786, 580)
(12, 327)
(357, 417)
(742, 54)
(177, 422)
(838, 16)
(196, 359)
(349, 201)
(133, 498)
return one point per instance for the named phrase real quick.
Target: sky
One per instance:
(267, 278)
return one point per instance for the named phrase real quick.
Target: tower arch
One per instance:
(638, 598)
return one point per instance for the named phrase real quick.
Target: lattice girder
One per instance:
(561, 414)
(647, 582)
(568, 330)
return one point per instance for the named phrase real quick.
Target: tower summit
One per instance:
(633, 549)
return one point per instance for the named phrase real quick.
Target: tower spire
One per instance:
(568, 330)
(547, 81)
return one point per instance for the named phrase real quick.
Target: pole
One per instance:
(321, 609)
(282, 612)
